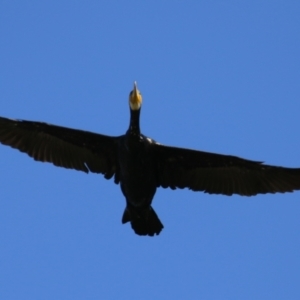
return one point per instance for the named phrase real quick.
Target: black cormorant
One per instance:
(141, 165)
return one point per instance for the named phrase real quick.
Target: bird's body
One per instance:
(137, 173)
(140, 165)
(138, 182)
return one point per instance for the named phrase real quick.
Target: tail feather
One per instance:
(143, 222)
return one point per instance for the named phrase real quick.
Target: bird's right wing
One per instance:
(64, 147)
(220, 174)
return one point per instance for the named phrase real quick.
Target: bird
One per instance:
(140, 165)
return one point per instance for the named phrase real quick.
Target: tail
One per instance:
(143, 222)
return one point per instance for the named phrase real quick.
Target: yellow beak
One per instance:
(135, 98)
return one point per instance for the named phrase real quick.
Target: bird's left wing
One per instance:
(220, 174)
(64, 147)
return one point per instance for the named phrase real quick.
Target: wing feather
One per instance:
(221, 174)
(64, 147)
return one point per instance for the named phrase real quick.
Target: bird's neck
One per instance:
(134, 126)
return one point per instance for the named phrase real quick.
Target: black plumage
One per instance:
(141, 165)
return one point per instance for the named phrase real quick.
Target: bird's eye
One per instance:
(130, 93)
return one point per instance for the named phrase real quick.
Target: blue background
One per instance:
(218, 76)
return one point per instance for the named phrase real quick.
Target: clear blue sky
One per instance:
(219, 76)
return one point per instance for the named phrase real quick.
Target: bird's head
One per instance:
(135, 98)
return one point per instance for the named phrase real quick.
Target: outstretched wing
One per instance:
(221, 174)
(64, 147)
